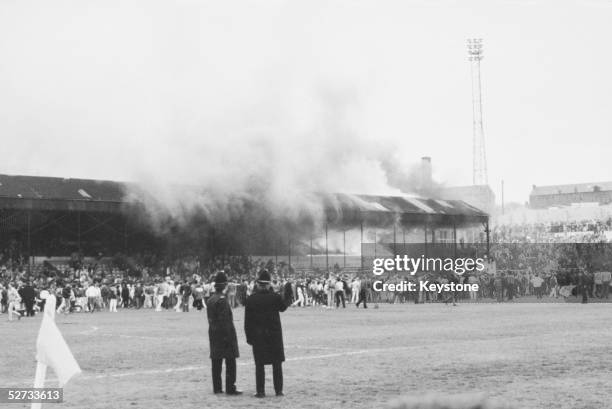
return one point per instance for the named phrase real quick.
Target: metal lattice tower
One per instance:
(479, 165)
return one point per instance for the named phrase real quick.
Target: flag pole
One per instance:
(41, 369)
(39, 381)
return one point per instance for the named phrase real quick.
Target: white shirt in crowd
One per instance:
(339, 286)
(93, 291)
(537, 281)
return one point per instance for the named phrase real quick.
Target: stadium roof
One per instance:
(37, 187)
(573, 188)
(402, 204)
(49, 193)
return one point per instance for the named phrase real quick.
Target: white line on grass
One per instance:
(249, 362)
(104, 334)
(241, 363)
(313, 347)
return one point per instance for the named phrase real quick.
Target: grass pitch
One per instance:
(531, 355)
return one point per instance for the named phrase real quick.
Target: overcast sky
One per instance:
(131, 89)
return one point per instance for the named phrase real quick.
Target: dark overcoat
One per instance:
(262, 326)
(221, 331)
(27, 293)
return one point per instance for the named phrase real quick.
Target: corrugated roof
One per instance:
(39, 187)
(402, 204)
(572, 188)
(85, 191)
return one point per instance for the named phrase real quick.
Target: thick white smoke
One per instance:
(206, 106)
(283, 160)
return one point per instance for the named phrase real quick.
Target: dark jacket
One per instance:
(27, 293)
(262, 326)
(288, 293)
(221, 331)
(185, 290)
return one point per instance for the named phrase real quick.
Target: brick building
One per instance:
(542, 197)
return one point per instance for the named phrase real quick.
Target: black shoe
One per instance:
(259, 395)
(280, 394)
(219, 391)
(234, 392)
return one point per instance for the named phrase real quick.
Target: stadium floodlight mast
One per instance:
(479, 165)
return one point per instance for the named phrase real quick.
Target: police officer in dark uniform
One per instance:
(262, 326)
(222, 337)
(28, 295)
(363, 293)
(584, 286)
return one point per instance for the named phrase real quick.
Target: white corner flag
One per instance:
(52, 350)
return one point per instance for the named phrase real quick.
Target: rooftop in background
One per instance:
(50, 193)
(49, 188)
(572, 188)
(596, 193)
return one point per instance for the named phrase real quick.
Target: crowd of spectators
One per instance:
(99, 287)
(583, 231)
(531, 260)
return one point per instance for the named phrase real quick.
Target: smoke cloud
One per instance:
(280, 170)
(229, 113)
(410, 177)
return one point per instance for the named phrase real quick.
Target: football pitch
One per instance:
(552, 355)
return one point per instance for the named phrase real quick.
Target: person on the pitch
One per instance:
(363, 295)
(222, 337)
(264, 333)
(28, 296)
